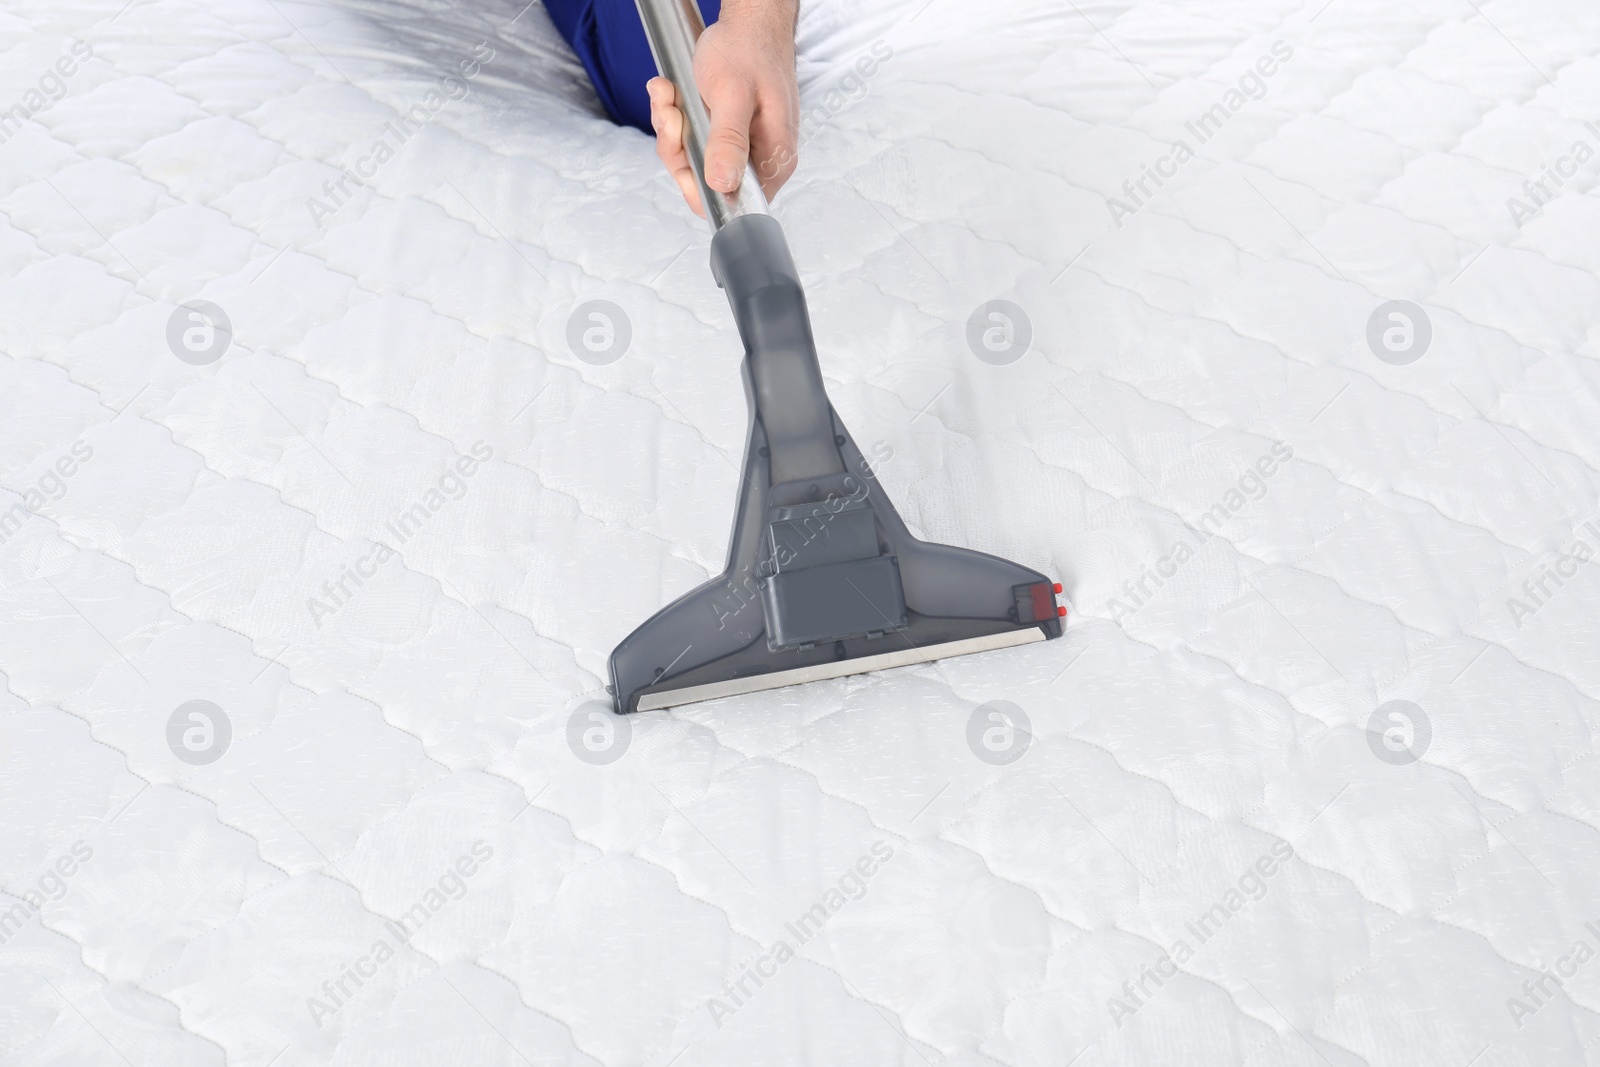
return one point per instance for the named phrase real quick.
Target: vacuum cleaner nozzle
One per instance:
(823, 579)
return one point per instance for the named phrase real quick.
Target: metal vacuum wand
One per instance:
(673, 27)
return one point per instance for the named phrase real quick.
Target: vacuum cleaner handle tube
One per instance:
(751, 261)
(673, 27)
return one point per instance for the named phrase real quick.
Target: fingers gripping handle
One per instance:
(673, 27)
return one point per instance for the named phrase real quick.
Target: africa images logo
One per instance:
(453, 885)
(396, 133)
(50, 886)
(50, 486)
(599, 332)
(199, 332)
(1252, 85)
(1249, 889)
(754, 973)
(199, 732)
(1551, 180)
(451, 486)
(1249, 488)
(50, 88)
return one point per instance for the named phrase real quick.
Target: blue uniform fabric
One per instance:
(610, 42)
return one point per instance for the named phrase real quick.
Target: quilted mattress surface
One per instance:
(325, 493)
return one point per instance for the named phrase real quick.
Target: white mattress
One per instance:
(1185, 730)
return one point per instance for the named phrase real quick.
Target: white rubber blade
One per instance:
(816, 672)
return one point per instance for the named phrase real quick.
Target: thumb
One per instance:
(728, 146)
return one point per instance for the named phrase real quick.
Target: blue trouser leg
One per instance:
(610, 42)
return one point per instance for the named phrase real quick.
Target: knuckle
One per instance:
(728, 139)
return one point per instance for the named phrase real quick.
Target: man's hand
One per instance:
(744, 68)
